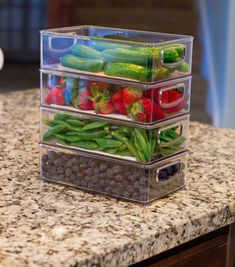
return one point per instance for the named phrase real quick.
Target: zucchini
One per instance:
(85, 52)
(125, 70)
(85, 64)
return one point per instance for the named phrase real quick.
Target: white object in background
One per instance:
(1, 59)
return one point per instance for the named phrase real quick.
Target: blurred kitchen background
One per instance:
(209, 21)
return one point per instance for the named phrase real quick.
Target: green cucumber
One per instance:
(85, 52)
(170, 56)
(103, 45)
(125, 56)
(161, 73)
(131, 71)
(85, 64)
(184, 67)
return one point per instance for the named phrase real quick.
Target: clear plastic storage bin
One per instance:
(108, 52)
(114, 138)
(132, 181)
(123, 100)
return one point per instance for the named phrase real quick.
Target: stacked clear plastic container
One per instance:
(114, 110)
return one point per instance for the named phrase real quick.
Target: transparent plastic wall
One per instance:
(126, 54)
(136, 182)
(112, 138)
(129, 101)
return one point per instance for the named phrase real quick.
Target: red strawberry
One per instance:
(131, 95)
(117, 100)
(55, 96)
(98, 85)
(82, 99)
(105, 108)
(102, 101)
(145, 110)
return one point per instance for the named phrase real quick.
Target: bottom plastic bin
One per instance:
(130, 181)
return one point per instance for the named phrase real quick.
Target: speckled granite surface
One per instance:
(51, 225)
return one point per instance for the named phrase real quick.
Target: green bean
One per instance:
(52, 131)
(85, 144)
(72, 138)
(108, 143)
(75, 122)
(94, 125)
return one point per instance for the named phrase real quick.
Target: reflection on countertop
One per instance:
(44, 224)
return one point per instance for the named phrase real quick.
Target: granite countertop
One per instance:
(45, 224)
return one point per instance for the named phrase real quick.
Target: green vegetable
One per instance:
(130, 71)
(142, 145)
(125, 153)
(111, 150)
(108, 143)
(67, 125)
(184, 67)
(128, 143)
(72, 138)
(94, 125)
(125, 56)
(61, 117)
(86, 52)
(78, 63)
(91, 135)
(103, 45)
(71, 133)
(75, 122)
(52, 131)
(48, 122)
(161, 73)
(170, 56)
(85, 144)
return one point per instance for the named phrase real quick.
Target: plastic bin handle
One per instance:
(60, 37)
(173, 141)
(160, 179)
(174, 64)
(173, 103)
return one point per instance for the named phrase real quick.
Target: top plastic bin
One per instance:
(147, 57)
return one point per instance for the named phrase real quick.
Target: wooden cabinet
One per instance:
(216, 249)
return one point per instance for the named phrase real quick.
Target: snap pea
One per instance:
(48, 123)
(108, 143)
(111, 150)
(85, 144)
(60, 137)
(91, 135)
(75, 122)
(52, 131)
(58, 122)
(94, 125)
(72, 138)
(122, 147)
(125, 153)
(128, 143)
(141, 156)
(72, 133)
(61, 117)
(143, 145)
